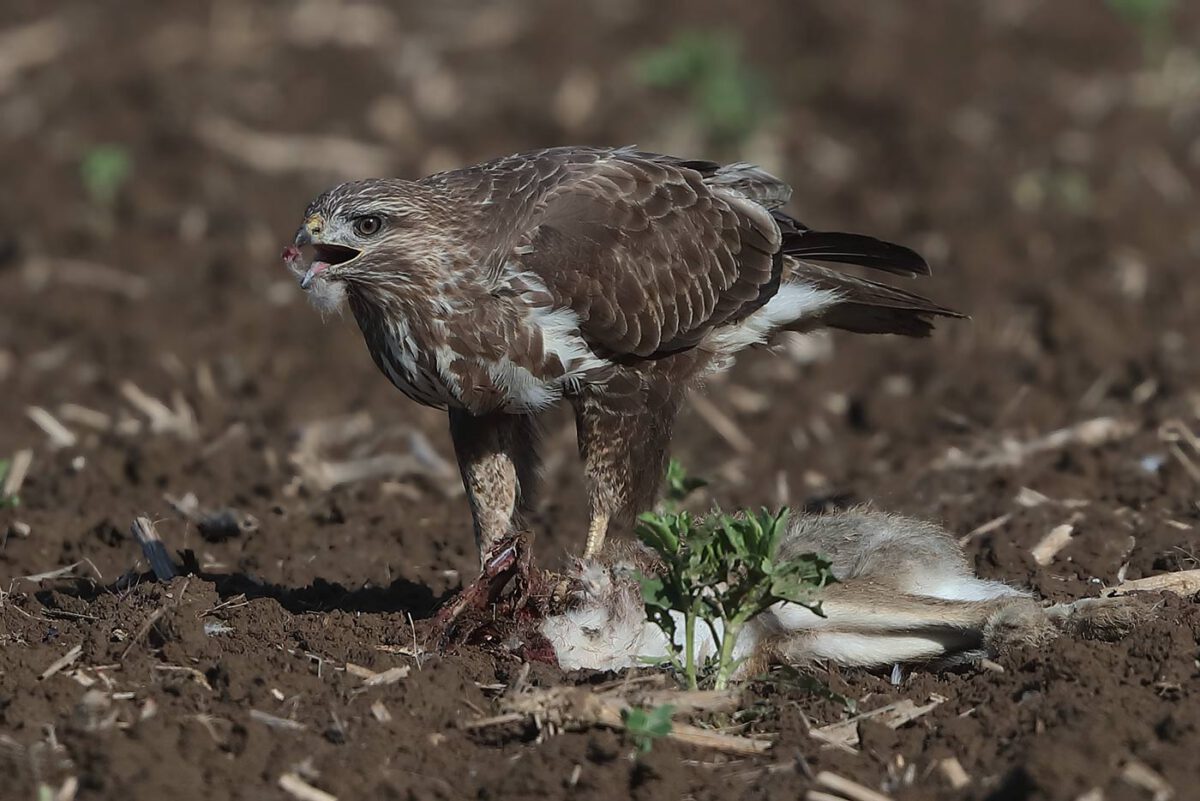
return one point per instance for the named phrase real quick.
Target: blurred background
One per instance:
(157, 155)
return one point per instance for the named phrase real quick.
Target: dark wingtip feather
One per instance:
(866, 251)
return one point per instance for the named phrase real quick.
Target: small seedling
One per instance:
(680, 484)
(644, 727)
(1152, 18)
(104, 170)
(721, 571)
(7, 500)
(728, 99)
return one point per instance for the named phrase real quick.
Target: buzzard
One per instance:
(611, 278)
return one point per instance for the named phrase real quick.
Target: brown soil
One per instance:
(1050, 180)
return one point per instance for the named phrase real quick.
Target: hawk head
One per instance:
(383, 233)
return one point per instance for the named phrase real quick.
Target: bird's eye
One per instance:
(367, 226)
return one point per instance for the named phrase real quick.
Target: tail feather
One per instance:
(866, 307)
(866, 251)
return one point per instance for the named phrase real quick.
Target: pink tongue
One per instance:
(315, 269)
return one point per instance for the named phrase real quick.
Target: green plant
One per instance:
(7, 500)
(644, 727)
(104, 170)
(721, 569)
(1152, 18)
(680, 484)
(728, 99)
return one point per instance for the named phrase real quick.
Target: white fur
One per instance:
(793, 302)
(326, 296)
(966, 588)
(869, 650)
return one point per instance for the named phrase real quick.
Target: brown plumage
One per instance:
(612, 278)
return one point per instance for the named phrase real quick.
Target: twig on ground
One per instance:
(722, 423)
(1183, 582)
(953, 772)
(1174, 432)
(1141, 775)
(144, 630)
(60, 436)
(563, 707)
(847, 788)
(322, 474)
(845, 733)
(270, 152)
(298, 788)
(63, 661)
(18, 469)
(86, 275)
(1031, 498)
(276, 722)
(84, 416)
(389, 676)
(1011, 452)
(234, 432)
(986, 528)
(60, 572)
(229, 603)
(27, 46)
(180, 421)
(1054, 541)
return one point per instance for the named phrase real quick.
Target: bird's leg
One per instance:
(497, 456)
(597, 530)
(624, 450)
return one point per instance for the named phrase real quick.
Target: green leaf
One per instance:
(657, 532)
(646, 727)
(14, 500)
(104, 170)
(679, 483)
(728, 99)
(654, 591)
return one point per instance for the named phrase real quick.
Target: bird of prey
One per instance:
(614, 279)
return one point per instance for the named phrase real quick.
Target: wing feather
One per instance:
(648, 255)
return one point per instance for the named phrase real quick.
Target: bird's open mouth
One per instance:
(324, 257)
(333, 254)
